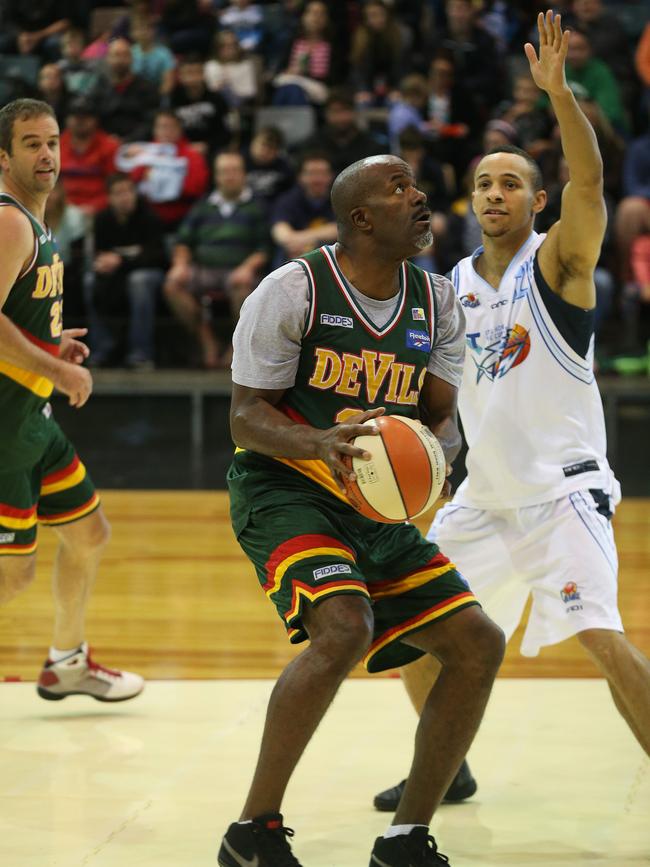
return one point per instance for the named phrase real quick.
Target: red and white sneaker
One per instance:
(78, 674)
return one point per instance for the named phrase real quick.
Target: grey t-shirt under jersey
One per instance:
(266, 342)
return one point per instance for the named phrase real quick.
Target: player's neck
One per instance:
(374, 277)
(34, 203)
(497, 254)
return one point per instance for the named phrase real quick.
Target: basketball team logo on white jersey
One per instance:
(528, 402)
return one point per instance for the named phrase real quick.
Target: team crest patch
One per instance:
(417, 313)
(418, 340)
(570, 592)
(469, 300)
(339, 321)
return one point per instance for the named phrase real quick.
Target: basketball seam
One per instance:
(395, 474)
(421, 446)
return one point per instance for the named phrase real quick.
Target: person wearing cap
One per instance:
(87, 157)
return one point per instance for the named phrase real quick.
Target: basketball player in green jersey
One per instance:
(324, 344)
(41, 477)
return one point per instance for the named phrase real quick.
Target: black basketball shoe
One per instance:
(417, 849)
(463, 786)
(260, 843)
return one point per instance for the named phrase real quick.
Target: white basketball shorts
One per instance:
(561, 552)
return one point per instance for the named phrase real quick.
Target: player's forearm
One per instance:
(18, 350)
(449, 437)
(579, 141)
(262, 428)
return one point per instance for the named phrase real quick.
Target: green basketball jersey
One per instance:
(347, 364)
(35, 306)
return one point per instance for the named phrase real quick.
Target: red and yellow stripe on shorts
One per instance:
(55, 484)
(297, 550)
(16, 521)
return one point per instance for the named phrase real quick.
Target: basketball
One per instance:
(405, 474)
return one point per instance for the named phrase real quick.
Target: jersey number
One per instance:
(56, 318)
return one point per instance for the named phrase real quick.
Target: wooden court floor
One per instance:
(176, 598)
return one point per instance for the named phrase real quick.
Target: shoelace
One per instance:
(275, 846)
(95, 666)
(430, 848)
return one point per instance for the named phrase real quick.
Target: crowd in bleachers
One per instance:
(200, 139)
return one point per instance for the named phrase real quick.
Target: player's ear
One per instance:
(359, 219)
(539, 201)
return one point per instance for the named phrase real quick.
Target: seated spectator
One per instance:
(341, 137)
(532, 123)
(128, 269)
(631, 225)
(52, 90)
(87, 157)
(409, 109)
(312, 65)
(170, 174)
(186, 26)
(268, 169)
(221, 248)
(126, 101)
(151, 59)
(79, 74)
(473, 52)
(69, 224)
(203, 114)
(596, 78)
(302, 218)
(35, 27)
(230, 73)
(377, 56)
(246, 20)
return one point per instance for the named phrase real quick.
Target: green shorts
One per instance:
(307, 546)
(55, 490)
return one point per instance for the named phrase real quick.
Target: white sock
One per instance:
(57, 655)
(397, 830)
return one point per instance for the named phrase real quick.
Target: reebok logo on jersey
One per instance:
(339, 321)
(417, 313)
(336, 569)
(7, 538)
(418, 340)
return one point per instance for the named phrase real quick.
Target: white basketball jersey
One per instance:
(529, 403)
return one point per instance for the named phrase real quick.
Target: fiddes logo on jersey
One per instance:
(7, 538)
(339, 321)
(418, 340)
(327, 571)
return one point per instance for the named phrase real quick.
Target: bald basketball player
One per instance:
(324, 344)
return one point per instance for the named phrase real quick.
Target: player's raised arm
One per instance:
(569, 255)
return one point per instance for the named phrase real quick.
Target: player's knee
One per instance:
(602, 644)
(343, 630)
(16, 574)
(87, 536)
(481, 651)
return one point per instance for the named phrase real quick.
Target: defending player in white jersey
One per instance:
(533, 515)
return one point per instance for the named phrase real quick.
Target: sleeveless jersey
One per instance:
(347, 364)
(529, 403)
(35, 306)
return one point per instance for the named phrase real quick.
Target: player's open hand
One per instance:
(74, 381)
(548, 70)
(70, 348)
(335, 442)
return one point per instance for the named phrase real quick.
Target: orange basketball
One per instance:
(405, 474)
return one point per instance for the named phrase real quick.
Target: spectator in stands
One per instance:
(79, 74)
(230, 72)
(609, 42)
(632, 226)
(268, 169)
(246, 20)
(203, 113)
(341, 137)
(409, 109)
(36, 26)
(186, 26)
(302, 218)
(151, 59)
(596, 78)
(475, 54)
(69, 225)
(126, 101)
(128, 269)
(378, 54)
(313, 63)
(87, 156)
(610, 144)
(170, 174)
(532, 123)
(52, 89)
(220, 251)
